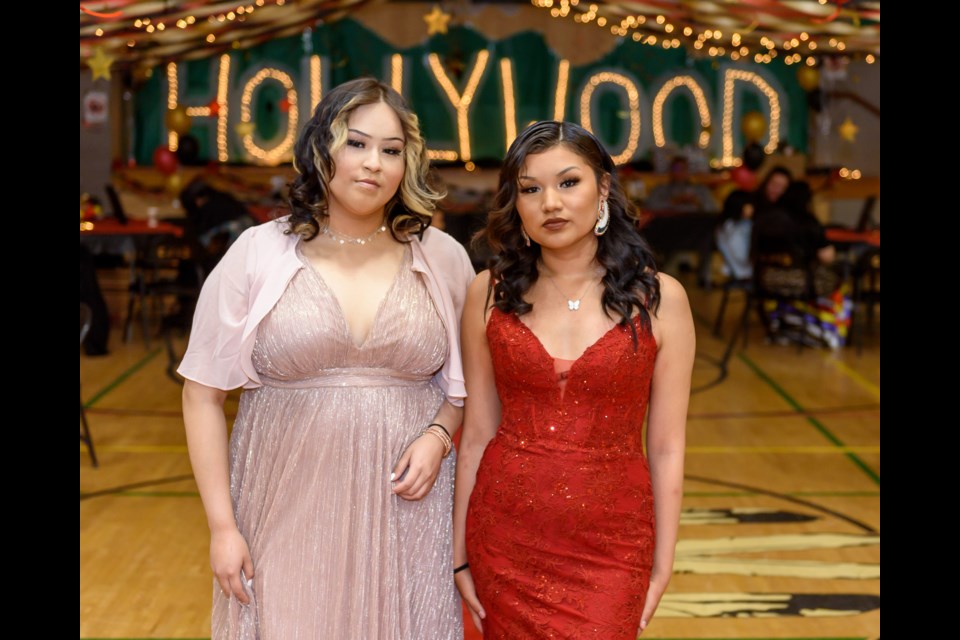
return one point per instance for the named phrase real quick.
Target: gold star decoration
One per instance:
(436, 21)
(100, 63)
(848, 130)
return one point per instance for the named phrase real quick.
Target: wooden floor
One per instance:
(780, 532)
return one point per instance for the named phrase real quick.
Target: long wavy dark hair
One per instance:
(410, 210)
(630, 280)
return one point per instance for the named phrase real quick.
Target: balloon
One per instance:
(753, 125)
(174, 184)
(744, 178)
(188, 150)
(178, 121)
(808, 78)
(165, 160)
(753, 156)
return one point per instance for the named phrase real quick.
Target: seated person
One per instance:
(214, 216)
(786, 225)
(680, 194)
(734, 234)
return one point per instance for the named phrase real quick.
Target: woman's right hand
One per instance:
(469, 594)
(229, 555)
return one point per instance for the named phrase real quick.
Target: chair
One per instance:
(779, 278)
(115, 205)
(152, 280)
(866, 293)
(86, 317)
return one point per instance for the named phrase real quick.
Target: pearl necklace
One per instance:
(342, 239)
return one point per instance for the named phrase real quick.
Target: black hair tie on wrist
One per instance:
(463, 567)
(437, 424)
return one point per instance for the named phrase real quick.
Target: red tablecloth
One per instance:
(110, 227)
(849, 236)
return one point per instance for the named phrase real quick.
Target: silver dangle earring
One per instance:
(526, 238)
(603, 218)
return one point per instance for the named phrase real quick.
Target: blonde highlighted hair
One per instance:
(411, 209)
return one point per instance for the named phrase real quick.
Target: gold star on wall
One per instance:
(848, 130)
(99, 64)
(436, 21)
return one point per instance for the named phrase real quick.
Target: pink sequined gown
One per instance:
(560, 527)
(336, 555)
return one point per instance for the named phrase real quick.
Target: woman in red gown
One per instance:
(561, 527)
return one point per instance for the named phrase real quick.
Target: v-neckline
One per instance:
(550, 359)
(344, 324)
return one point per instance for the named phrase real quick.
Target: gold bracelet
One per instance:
(447, 442)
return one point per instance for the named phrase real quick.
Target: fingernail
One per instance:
(392, 476)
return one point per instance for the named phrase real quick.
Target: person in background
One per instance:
(734, 234)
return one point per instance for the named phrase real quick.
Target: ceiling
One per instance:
(147, 32)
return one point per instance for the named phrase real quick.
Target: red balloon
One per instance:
(744, 178)
(165, 160)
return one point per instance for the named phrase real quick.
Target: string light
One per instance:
(396, 73)
(688, 82)
(461, 103)
(316, 81)
(560, 96)
(870, 58)
(173, 93)
(509, 104)
(439, 154)
(280, 152)
(223, 87)
(730, 78)
(633, 100)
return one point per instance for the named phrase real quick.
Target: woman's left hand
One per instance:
(654, 593)
(421, 461)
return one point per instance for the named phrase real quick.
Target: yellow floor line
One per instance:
(817, 449)
(855, 375)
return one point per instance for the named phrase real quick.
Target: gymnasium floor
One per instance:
(779, 537)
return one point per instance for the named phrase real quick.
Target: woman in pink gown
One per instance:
(329, 512)
(562, 528)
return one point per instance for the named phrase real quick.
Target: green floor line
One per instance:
(816, 423)
(122, 377)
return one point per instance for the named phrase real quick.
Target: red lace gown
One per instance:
(560, 527)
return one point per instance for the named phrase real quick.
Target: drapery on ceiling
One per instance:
(148, 32)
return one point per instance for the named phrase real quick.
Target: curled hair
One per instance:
(410, 210)
(630, 279)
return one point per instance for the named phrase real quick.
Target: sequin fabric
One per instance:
(560, 527)
(336, 555)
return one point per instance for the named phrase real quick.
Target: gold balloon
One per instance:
(174, 184)
(178, 121)
(754, 126)
(808, 78)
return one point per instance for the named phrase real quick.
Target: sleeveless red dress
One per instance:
(560, 527)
